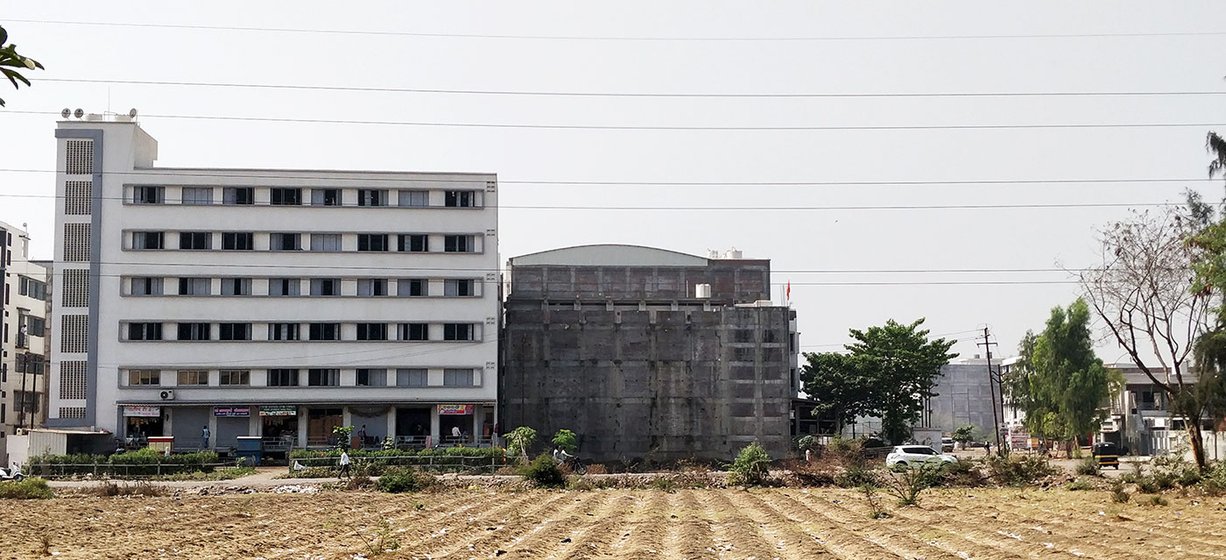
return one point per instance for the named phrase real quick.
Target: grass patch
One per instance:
(543, 471)
(400, 480)
(28, 489)
(109, 489)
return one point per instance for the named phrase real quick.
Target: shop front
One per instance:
(140, 422)
(231, 422)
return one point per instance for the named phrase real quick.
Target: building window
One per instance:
(325, 197)
(195, 331)
(195, 286)
(372, 378)
(146, 286)
(234, 331)
(412, 377)
(234, 377)
(325, 331)
(148, 195)
(459, 331)
(323, 377)
(325, 242)
(412, 287)
(414, 331)
(195, 240)
(417, 199)
(413, 243)
(285, 196)
(144, 377)
(284, 286)
(35, 326)
(193, 377)
(284, 331)
(235, 286)
(284, 242)
(458, 287)
(282, 378)
(144, 331)
(460, 199)
(372, 197)
(372, 242)
(238, 241)
(459, 244)
(238, 195)
(372, 287)
(325, 286)
(197, 195)
(148, 240)
(457, 378)
(30, 287)
(372, 331)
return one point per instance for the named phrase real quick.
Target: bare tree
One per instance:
(1146, 293)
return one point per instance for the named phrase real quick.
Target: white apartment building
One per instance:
(279, 303)
(23, 352)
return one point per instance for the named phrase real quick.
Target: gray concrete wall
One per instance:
(739, 281)
(964, 397)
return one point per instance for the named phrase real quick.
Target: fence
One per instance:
(445, 463)
(125, 470)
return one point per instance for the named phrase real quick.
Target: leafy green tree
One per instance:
(9, 59)
(520, 440)
(566, 439)
(841, 390)
(963, 434)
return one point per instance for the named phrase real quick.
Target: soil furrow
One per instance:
(689, 533)
(603, 521)
(549, 537)
(496, 526)
(734, 535)
(841, 541)
(788, 533)
(642, 533)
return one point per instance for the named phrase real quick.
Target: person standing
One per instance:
(344, 463)
(204, 438)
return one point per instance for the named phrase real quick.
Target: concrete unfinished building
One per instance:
(647, 353)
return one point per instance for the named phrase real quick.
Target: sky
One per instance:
(794, 177)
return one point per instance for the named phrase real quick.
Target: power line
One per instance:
(623, 38)
(664, 128)
(278, 174)
(687, 95)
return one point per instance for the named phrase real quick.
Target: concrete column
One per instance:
(212, 428)
(391, 422)
(434, 427)
(254, 426)
(346, 417)
(302, 426)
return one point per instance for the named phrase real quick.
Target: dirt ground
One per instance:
(759, 523)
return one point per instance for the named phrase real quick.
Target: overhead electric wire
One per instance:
(665, 128)
(614, 94)
(200, 27)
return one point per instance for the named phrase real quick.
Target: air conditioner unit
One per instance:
(168, 395)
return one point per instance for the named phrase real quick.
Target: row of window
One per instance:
(299, 196)
(404, 332)
(320, 287)
(315, 377)
(320, 242)
(30, 287)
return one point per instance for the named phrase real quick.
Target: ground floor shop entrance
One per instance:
(320, 424)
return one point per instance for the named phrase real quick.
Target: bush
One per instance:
(752, 465)
(1019, 471)
(1214, 481)
(28, 489)
(108, 489)
(963, 472)
(907, 483)
(566, 439)
(856, 476)
(520, 440)
(1080, 484)
(1088, 467)
(359, 482)
(544, 472)
(1118, 494)
(399, 480)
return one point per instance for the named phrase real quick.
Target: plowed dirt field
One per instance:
(760, 523)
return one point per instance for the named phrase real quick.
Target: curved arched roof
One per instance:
(608, 255)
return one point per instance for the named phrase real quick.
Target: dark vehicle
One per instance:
(1108, 453)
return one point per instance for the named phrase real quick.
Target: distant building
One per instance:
(965, 396)
(648, 353)
(275, 303)
(23, 346)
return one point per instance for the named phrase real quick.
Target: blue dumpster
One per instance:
(250, 449)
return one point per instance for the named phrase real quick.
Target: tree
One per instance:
(1152, 306)
(963, 434)
(566, 439)
(520, 440)
(1059, 382)
(889, 372)
(9, 59)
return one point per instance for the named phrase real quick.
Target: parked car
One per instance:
(1108, 453)
(947, 444)
(903, 455)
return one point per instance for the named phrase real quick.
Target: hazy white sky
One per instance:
(1174, 47)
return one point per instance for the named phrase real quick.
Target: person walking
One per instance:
(204, 438)
(344, 464)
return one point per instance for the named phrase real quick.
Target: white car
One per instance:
(903, 455)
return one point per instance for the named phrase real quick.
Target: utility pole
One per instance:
(992, 379)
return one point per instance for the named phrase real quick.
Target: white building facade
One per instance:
(23, 353)
(277, 303)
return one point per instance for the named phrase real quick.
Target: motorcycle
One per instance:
(12, 473)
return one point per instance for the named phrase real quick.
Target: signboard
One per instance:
(455, 409)
(279, 410)
(142, 411)
(232, 411)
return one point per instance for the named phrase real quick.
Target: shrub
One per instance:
(752, 465)
(1019, 471)
(398, 480)
(1214, 481)
(108, 489)
(359, 482)
(520, 440)
(876, 510)
(1118, 494)
(1088, 467)
(566, 439)
(1080, 484)
(28, 489)
(544, 472)
(963, 472)
(1158, 500)
(906, 484)
(857, 475)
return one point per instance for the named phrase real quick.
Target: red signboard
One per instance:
(455, 409)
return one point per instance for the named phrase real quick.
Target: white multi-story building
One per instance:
(23, 297)
(276, 303)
